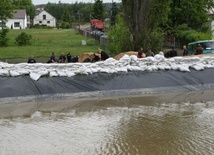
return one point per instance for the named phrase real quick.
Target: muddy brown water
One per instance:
(172, 123)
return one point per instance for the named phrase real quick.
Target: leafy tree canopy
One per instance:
(98, 10)
(25, 4)
(6, 10)
(114, 11)
(194, 13)
(143, 18)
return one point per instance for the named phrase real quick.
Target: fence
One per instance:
(103, 39)
(169, 41)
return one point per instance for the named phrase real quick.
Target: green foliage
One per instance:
(77, 11)
(27, 5)
(42, 26)
(65, 25)
(6, 10)
(119, 37)
(155, 40)
(114, 11)
(143, 19)
(187, 36)
(23, 39)
(44, 42)
(192, 12)
(98, 10)
(66, 17)
(3, 38)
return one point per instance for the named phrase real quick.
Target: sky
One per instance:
(36, 2)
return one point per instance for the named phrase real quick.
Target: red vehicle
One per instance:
(97, 24)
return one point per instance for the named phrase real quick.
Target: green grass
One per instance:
(44, 42)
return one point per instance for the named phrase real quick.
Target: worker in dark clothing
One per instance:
(171, 53)
(62, 58)
(198, 50)
(103, 54)
(96, 58)
(69, 57)
(52, 58)
(31, 60)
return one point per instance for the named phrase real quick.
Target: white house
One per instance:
(45, 18)
(19, 20)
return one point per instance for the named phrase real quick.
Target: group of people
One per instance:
(101, 55)
(198, 50)
(142, 54)
(170, 53)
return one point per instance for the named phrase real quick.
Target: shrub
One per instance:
(42, 26)
(3, 38)
(188, 36)
(119, 37)
(23, 39)
(65, 25)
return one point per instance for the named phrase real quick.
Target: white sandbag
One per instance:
(184, 68)
(174, 67)
(4, 72)
(43, 72)
(112, 70)
(133, 58)
(35, 76)
(104, 70)
(110, 61)
(14, 73)
(154, 67)
(94, 70)
(161, 67)
(88, 70)
(197, 67)
(53, 74)
(178, 59)
(121, 69)
(149, 68)
(134, 68)
(167, 67)
(79, 71)
(159, 57)
(21, 65)
(23, 71)
(125, 58)
(70, 73)
(61, 73)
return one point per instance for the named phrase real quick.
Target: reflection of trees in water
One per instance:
(157, 128)
(126, 125)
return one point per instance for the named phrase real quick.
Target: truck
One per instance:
(97, 24)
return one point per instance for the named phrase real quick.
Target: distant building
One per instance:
(19, 20)
(44, 18)
(40, 7)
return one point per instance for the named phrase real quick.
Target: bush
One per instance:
(119, 38)
(42, 26)
(23, 39)
(3, 38)
(65, 25)
(188, 36)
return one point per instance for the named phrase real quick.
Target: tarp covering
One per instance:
(135, 80)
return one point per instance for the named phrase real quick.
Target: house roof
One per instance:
(19, 14)
(42, 11)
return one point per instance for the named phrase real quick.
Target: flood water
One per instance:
(173, 124)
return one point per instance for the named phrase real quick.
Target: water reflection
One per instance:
(137, 125)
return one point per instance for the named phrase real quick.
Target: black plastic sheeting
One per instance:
(105, 82)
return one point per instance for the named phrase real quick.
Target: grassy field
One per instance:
(44, 42)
